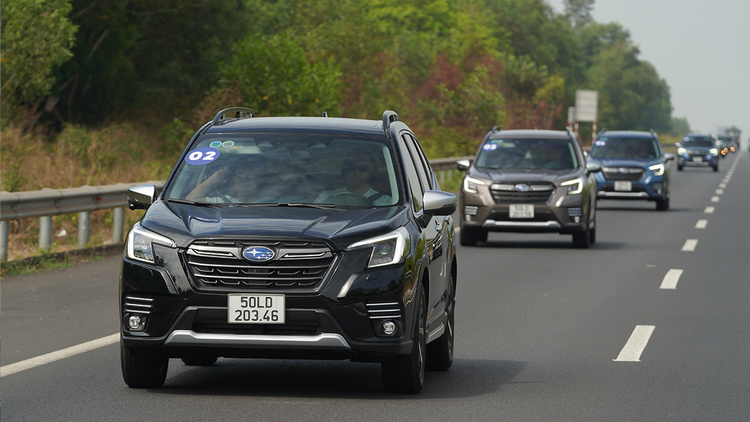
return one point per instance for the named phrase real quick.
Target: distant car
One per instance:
(729, 143)
(698, 150)
(634, 166)
(532, 181)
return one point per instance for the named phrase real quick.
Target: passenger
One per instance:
(356, 172)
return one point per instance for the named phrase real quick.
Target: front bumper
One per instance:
(707, 160)
(649, 188)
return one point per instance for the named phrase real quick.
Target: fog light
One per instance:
(389, 327)
(469, 217)
(576, 219)
(135, 322)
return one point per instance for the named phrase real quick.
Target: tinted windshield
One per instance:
(555, 154)
(272, 168)
(624, 148)
(698, 141)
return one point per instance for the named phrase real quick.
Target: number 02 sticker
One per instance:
(201, 156)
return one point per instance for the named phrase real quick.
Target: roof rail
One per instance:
(325, 114)
(389, 117)
(240, 113)
(654, 134)
(496, 129)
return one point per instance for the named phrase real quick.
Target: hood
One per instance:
(524, 175)
(624, 162)
(183, 223)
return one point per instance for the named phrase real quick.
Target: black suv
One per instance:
(292, 237)
(531, 181)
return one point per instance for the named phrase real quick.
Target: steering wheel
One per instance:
(350, 198)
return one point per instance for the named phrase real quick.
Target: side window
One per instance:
(420, 163)
(415, 185)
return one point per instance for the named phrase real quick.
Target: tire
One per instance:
(679, 168)
(468, 237)
(582, 240)
(142, 372)
(405, 374)
(592, 236)
(716, 167)
(662, 204)
(199, 360)
(440, 351)
(481, 235)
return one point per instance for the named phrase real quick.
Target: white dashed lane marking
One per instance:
(636, 344)
(671, 279)
(690, 245)
(701, 224)
(709, 210)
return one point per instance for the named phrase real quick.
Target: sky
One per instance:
(700, 48)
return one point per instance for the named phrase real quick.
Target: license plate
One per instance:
(255, 309)
(698, 159)
(623, 186)
(522, 211)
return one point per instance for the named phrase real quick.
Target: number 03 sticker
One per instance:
(201, 156)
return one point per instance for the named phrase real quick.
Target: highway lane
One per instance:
(540, 326)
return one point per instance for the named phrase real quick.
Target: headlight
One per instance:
(714, 151)
(658, 169)
(140, 244)
(681, 151)
(387, 249)
(575, 186)
(470, 184)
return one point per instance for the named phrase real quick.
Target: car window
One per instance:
(415, 185)
(625, 148)
(420, 162)
(270, 168)
(528, 153)
(698, 141)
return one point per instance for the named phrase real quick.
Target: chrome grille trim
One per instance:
(539, 193)
(137, 305)
(629, 173)
(214, 264)
(383, 310)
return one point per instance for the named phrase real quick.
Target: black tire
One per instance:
(468, 237)
(716, 167)
(592, 236)
(142, 372)
(199, 360)
(662, 204)
(405, 374)
(679, 168)
(582, 239)
(481, 235)
(440, 351)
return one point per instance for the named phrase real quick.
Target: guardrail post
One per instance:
(45, 232)
(84, 220)
(3, 240)
(118, 225)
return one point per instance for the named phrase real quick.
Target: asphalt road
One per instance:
(633, 329)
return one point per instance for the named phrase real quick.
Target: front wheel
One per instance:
(662, 204)
(405, 373)
(440, 351)
(142, 372)
(468, 237)
(582, 240)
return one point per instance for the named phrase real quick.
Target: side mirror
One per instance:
(593, 167)
(463, 165)
(439, 203)
(669, 156)
(678, 145)
(141, 197)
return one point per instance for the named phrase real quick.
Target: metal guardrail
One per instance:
(48, 202)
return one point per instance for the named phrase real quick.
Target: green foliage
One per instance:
(679, 126)
(274, 76)
(37, 37)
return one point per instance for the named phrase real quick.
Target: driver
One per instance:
(356, 171)
(241, 182)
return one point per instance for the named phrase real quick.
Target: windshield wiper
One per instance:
(198, 203)
(291, 204)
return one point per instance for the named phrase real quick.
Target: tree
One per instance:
(37, 37)
(579, 12)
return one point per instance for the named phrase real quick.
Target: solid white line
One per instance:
(701, 224)
(709, 210)
(671, 279)
(636, 343)
(714, 199)
(719, 191)
(690, 245)
(60, 354)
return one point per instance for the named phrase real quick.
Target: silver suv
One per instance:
(532, 181)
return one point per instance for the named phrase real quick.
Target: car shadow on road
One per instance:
(331, 379)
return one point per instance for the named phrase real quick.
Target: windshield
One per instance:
(524, 153)
(624, 148)
(289, 169)
(698, 141)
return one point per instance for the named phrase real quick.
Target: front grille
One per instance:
(297, 265)
(622, 173)
(538, 193)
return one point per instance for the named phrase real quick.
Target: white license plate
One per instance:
(255, 309)
(623, 186)
(698, 159)
(522, 211)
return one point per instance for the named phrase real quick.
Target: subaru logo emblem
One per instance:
(258, 253)
(623, 170)
(522, 188)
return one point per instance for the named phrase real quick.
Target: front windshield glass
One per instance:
(526, 153)
(624, 148)
(280, 168)
(698, 141)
